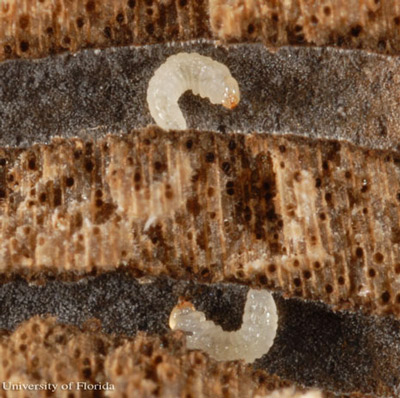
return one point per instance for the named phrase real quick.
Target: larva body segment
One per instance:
(251, 341)
(188, 71)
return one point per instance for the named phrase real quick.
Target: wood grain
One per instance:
(314, 218)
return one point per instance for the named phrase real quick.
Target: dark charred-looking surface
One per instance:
(315, 219)
(314, 92)
(122, 304)
(337, 348)
(344, 352)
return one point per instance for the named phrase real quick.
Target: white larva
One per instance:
(188, 71)
(251, 341)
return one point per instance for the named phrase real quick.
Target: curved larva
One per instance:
(251, 341)
(188, 71)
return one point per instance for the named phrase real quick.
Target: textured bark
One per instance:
(349, 353)
(311, 217)
(315, 219)
(312, 92)
(37, 28)
(369, 24)
(42, 351)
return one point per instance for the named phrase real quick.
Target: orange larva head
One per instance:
(230, 102)
(183, 307)
(231, 95)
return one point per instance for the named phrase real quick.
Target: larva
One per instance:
(188, 71)
(251, 341)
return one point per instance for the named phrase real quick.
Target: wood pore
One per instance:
(314, 218)
(37, 28)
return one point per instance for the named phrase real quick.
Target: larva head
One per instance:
(251, 341)
(185, 317)
(231, 95)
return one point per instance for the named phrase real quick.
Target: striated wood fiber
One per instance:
(41, 351)
(314, 218)
(37, 28)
